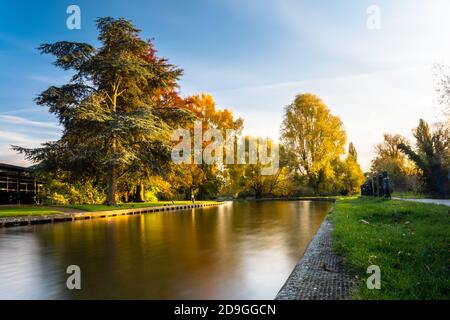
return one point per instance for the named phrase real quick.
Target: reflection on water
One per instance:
(243, 250)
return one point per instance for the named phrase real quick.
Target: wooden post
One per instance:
(18, 188)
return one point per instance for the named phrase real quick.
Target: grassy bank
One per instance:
(19, 211)
(30, 210)
(409, 241)
(131, 205)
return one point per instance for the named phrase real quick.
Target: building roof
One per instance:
(10, 167)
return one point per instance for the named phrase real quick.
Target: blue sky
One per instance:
(252, 56)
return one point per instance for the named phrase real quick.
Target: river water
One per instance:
(240, 250)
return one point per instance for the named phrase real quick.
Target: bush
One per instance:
(58, 192)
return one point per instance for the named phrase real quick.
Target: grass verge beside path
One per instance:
(409, 242)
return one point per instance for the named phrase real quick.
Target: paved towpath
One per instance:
(434, 201)
(320, 274)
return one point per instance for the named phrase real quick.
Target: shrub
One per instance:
(58, 192)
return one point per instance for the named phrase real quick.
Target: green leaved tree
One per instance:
(313, 139)
(113, 111)
(432, 157)
(349, 173)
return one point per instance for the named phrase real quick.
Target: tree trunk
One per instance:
(111, 179)
(314, 184)
(126, 197)
(316, 189)
(140, 193)
(112, 185)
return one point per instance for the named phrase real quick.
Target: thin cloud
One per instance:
(27, 139)
(25, 110)
(26, 122)
(11, 157)
(299, 83)
(50, 80)
(368, 104)
(11, 138)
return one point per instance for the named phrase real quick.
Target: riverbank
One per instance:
(33, 210)
(27, 215)
(407, 240)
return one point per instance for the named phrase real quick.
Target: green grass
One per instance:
(131, 205)
(29, 210)
(26, 211)
(409, 241)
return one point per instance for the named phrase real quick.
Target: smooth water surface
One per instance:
(241, 250)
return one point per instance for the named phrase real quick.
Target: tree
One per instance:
(254, 181)
(111, 109)
(210, 180)
(443, 89)
(313, 139)
(350, 175)
(352, 152)
(389, 158)
(204, 108)
(432, 156)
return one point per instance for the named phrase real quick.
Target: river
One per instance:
(239, 250)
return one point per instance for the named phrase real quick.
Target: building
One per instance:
(18, 185)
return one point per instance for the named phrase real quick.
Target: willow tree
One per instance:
(111, 108)
(431, 156)
(313, 139)
(207, 179)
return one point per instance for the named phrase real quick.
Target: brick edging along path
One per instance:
(52, 218)
(320, 274)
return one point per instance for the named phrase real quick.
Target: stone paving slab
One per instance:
(444, 202)
(320, 274)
